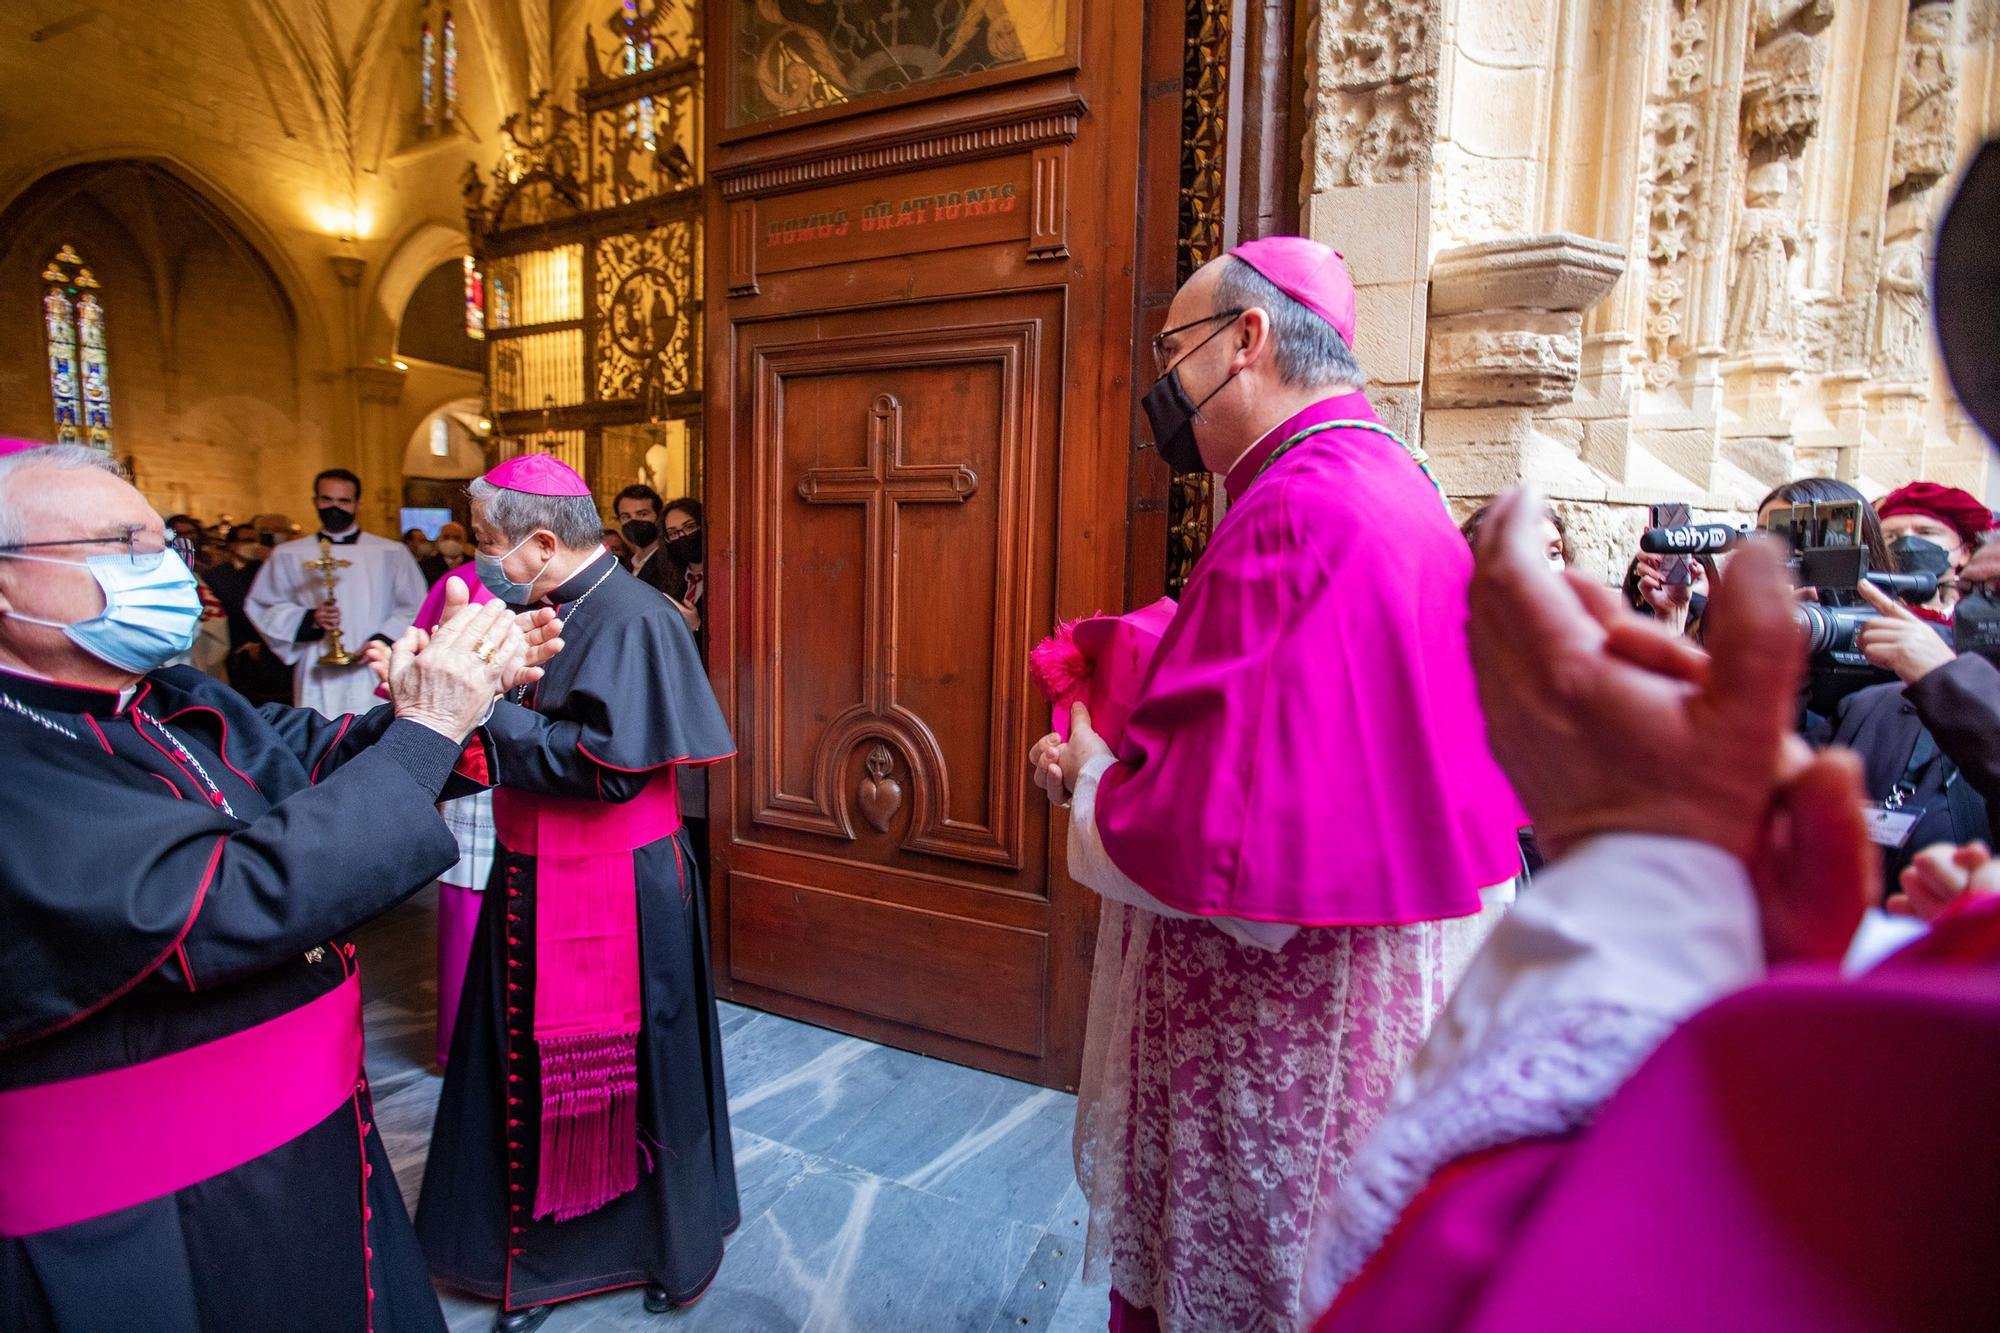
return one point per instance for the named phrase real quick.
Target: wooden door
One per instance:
(921, 341)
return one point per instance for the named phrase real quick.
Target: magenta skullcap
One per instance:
(1312, 274)
(537, 474)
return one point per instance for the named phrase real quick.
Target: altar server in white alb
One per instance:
(376, 595)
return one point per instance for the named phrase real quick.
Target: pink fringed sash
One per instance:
(587, 995)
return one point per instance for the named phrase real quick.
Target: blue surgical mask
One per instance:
(150, 614)
(495, 577)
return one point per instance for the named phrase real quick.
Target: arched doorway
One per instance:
(446, 450)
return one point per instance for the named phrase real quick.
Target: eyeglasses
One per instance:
(1163, 355)
(684, 530)
(142, 548)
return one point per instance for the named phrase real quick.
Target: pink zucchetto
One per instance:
(537, 474)
(1312, 274)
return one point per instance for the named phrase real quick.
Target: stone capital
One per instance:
(378, 384)
(1506, 319)
(1553, 271)
(348, 268)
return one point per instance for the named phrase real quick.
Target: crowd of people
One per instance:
(1477, 948)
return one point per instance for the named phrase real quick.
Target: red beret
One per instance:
(1948, 504)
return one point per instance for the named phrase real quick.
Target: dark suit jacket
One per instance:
(1959, 704)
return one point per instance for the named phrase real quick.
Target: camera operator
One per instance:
(1929, 741)
(1924, 519)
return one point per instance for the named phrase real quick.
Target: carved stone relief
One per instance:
(1926, 103)
(1374, 67)
(1673, 139)
(1760, 296)
(1901, 303)
(1506, 319)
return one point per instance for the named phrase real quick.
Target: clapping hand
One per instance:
(447, 680)
(540, 640)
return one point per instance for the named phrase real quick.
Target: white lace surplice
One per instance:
(1225, 1088)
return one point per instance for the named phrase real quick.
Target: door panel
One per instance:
(919, 371)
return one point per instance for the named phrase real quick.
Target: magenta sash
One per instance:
(587, 999)
(84, 1147)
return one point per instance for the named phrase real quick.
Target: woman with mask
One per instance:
(681, 539)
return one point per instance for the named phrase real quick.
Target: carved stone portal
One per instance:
(1375, 65)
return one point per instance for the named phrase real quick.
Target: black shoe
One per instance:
(657, 1300)
(521, 1321)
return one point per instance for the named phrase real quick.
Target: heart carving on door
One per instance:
(880, 795)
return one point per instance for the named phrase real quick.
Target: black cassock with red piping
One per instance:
(176, 871)
(623, 704)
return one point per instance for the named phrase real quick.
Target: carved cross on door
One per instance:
(882, 487)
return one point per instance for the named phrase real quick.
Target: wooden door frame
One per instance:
(1095, 475)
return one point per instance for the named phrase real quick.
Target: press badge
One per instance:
(1888, 828)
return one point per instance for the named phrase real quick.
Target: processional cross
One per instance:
(336, 653)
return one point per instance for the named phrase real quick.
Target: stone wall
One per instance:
(295, 128)
(1676, 250)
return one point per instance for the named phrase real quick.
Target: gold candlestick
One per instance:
(336, 653)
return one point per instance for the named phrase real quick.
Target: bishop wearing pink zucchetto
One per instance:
(582, 1137)
(1299, 818)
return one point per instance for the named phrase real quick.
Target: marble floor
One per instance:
(882, 1192)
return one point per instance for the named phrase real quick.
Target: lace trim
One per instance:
(1546, 1076)
(1225, 1088)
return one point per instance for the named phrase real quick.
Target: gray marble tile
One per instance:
(802, 1085)
(403, 1118)
(1085, 1307)
(974, 1138)
(765, 1170)
(844, 1251)
(733, 1016)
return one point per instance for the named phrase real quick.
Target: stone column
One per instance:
(1371, 80)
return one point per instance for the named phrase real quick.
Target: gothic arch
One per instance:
(52, 182)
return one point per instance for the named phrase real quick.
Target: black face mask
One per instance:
(686, 549)
(1915, 555)
(335, 520)
(640, 532)
(1172, 414)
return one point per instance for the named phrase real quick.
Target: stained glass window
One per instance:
(79, 370)
(475, 299)
(450, 107)
(429, 65)
(639, 121)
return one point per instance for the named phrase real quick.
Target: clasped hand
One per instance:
(447, 679)
(1057, 763)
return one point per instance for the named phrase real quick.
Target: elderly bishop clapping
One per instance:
(186, 1136)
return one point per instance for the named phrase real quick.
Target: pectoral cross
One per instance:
(336, 653)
